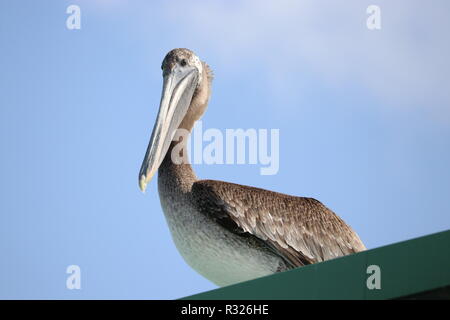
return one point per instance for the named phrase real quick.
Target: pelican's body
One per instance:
(215, 252)
(228, 232)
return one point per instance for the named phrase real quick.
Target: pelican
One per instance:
(228, 232)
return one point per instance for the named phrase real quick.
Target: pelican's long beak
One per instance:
(178, 89)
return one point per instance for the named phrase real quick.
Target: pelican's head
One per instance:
(184, 98)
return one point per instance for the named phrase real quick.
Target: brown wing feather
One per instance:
(301, 230)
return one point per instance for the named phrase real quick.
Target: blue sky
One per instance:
(364, 119)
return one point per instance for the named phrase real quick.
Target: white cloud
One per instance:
(405, 64)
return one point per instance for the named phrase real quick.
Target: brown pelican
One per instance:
(229, 232)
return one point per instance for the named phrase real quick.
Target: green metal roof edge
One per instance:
(406, 268)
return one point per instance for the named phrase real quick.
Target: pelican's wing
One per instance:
(301, 230)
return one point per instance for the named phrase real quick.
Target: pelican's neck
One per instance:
(179, 177)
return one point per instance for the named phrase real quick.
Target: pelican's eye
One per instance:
(183, 62)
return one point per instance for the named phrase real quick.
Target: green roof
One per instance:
(417, 268)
